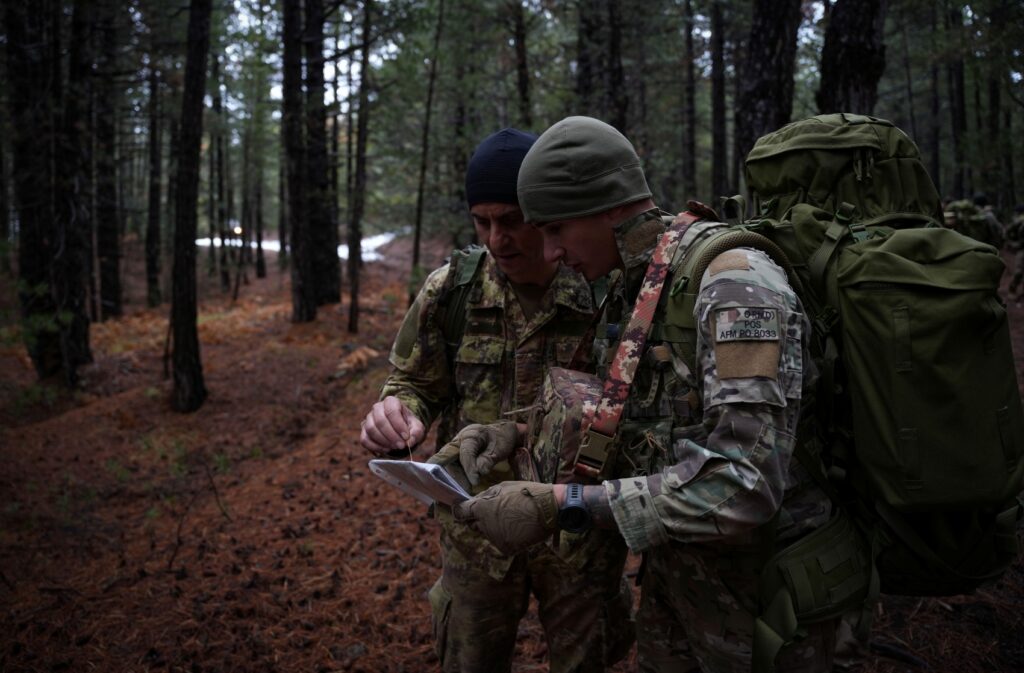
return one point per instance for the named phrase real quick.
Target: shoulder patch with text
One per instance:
(746, 324)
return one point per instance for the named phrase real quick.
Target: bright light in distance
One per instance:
(238, 231)
(369, 245)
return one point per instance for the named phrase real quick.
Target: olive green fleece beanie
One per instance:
(578, 167)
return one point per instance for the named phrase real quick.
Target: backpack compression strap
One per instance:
(593, 453)
(453, 302)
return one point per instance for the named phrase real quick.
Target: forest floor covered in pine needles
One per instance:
(250, 535)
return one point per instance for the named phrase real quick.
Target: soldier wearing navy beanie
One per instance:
(517, 316)
(494, 168)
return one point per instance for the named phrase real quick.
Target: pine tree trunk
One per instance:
(688, 150)
(349, 132)
(67, 327)
(336, 149)
(958, 108)
(261, 262)
(235, 251)
(244, 258)
(996, 177)
(615, 88)
(459, 156)
(906, 71)
(588, 55)
(5, 206)
(108, 224)
(355, 233)
(425, 152)
(211, 185)
(222, 201)
(303, 288)
(74, 215)
(323, 230)
(935, 132)
(172, 175)
(189, 388)
(33, 112)
(91, 261)
(282, 209)
(522, 67)
(719, 150)
(639, 128)
(153, 297)
(737, 157)
(766, 82)
(1008, 164)
(853, 58)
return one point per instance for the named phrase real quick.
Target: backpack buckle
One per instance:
(859, 232)
(593, 454)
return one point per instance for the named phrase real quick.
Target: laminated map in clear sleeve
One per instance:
(426, 482)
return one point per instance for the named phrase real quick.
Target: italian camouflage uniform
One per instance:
(496, 372)
(707, 485)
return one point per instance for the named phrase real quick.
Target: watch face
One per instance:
(574, 519)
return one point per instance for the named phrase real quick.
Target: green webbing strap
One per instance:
(734, 209)
(469, 265)
(818, 262)
(453, 322)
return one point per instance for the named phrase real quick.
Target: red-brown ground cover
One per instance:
(250, 536)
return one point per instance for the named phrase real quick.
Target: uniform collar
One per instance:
(571, 290)
(637, 236)
(568, 289)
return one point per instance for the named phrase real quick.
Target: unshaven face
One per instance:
(517, 247)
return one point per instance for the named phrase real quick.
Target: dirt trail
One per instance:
(249, 536)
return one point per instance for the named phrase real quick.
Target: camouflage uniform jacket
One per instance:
(705, 447)
(499, 365)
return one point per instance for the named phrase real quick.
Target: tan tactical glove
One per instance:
(481, 446)
(448, 457)
(513, 515)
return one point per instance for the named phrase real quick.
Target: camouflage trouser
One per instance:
(697, 613)
(584, 604)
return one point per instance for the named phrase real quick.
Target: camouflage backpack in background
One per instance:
(966, 218)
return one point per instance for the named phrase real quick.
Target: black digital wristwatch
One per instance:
(573, 515)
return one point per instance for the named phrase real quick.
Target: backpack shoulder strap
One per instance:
(596, 448)
(464, 268)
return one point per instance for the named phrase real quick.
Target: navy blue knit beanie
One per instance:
(494, 167)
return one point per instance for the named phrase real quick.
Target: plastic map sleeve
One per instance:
(426, 482)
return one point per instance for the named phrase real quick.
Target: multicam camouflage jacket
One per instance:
(706, 446)
(498, 367)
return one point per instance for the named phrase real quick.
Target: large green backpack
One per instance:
(915, 426)
(917, 415)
